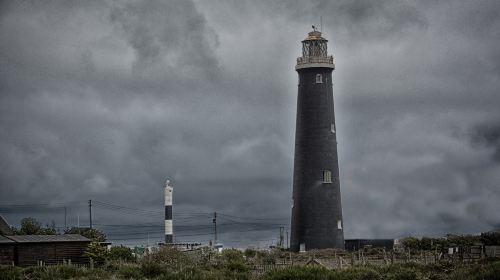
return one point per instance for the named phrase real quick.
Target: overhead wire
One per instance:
(188, 224)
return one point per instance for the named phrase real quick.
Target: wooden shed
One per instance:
(7, 248)
(49, 249)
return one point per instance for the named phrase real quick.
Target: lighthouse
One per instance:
(316, 206)
(168, 190)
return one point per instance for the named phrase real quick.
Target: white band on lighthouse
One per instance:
(168, 194)
(168, 227)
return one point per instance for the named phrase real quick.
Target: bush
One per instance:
(490, 271)
(68, 271)
(129, 272)
(233, 260)
(490, 238)
(121, 253)
(191, 273)
(171, 257)
(356, 273)
(401, 273)
(250, 253)
(298, 273)
(93, 234)
(54, 272)
(31, 226)
(96, 252)
(152, 269)
(10, 272)
(266, 257)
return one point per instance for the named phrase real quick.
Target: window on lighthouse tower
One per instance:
(327, 176)
(319, 79)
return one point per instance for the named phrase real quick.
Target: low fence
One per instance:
(343, 260)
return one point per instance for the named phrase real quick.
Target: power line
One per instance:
(250, 218)
(187, 224)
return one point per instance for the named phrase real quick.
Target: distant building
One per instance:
(7, 250)
(359, 244)
(28, 250)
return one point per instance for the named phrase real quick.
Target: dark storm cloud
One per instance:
(489, 136)
(167, 34)
(104, 100)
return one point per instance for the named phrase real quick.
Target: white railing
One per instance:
(314, 59)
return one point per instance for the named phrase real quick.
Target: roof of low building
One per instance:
(48, 238)
(4, 226)
(5, 240)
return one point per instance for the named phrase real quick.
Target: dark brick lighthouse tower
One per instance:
(316, 211)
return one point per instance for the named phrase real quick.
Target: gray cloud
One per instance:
(104, 100)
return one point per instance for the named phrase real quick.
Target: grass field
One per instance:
(168, 263)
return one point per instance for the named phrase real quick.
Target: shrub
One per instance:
(129, 272)
(298, 273)
(96, 252)
(250, 253)
(490, 271)
(97, 274)
(401, 273)
(121, 253)
(412, 243)
(266, 257)
(68, 271)
(10, 272)
(54, 272)
(190, 273)
(171, 257)
(490, 238)
(152, 269)
(357, 273)
(94, 234)
(233, 260)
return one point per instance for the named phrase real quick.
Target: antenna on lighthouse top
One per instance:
(321, 24)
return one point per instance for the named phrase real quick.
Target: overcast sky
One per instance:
(104, 100)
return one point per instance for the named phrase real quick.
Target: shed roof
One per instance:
(5, 240)
(48, 238)
(4, 226)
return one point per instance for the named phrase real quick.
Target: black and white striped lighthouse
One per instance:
(316, 208)
(169, 235)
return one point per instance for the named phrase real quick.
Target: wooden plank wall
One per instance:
(51, 253)
(7, 254)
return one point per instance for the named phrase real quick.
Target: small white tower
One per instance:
(169, 236)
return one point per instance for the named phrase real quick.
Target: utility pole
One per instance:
(280, 242)
(65, 225)
(287, 244)
(215, 227)
(90, 213)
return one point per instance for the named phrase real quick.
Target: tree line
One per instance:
(31, 226)
(490, 238)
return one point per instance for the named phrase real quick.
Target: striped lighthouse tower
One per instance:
(169, 236)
